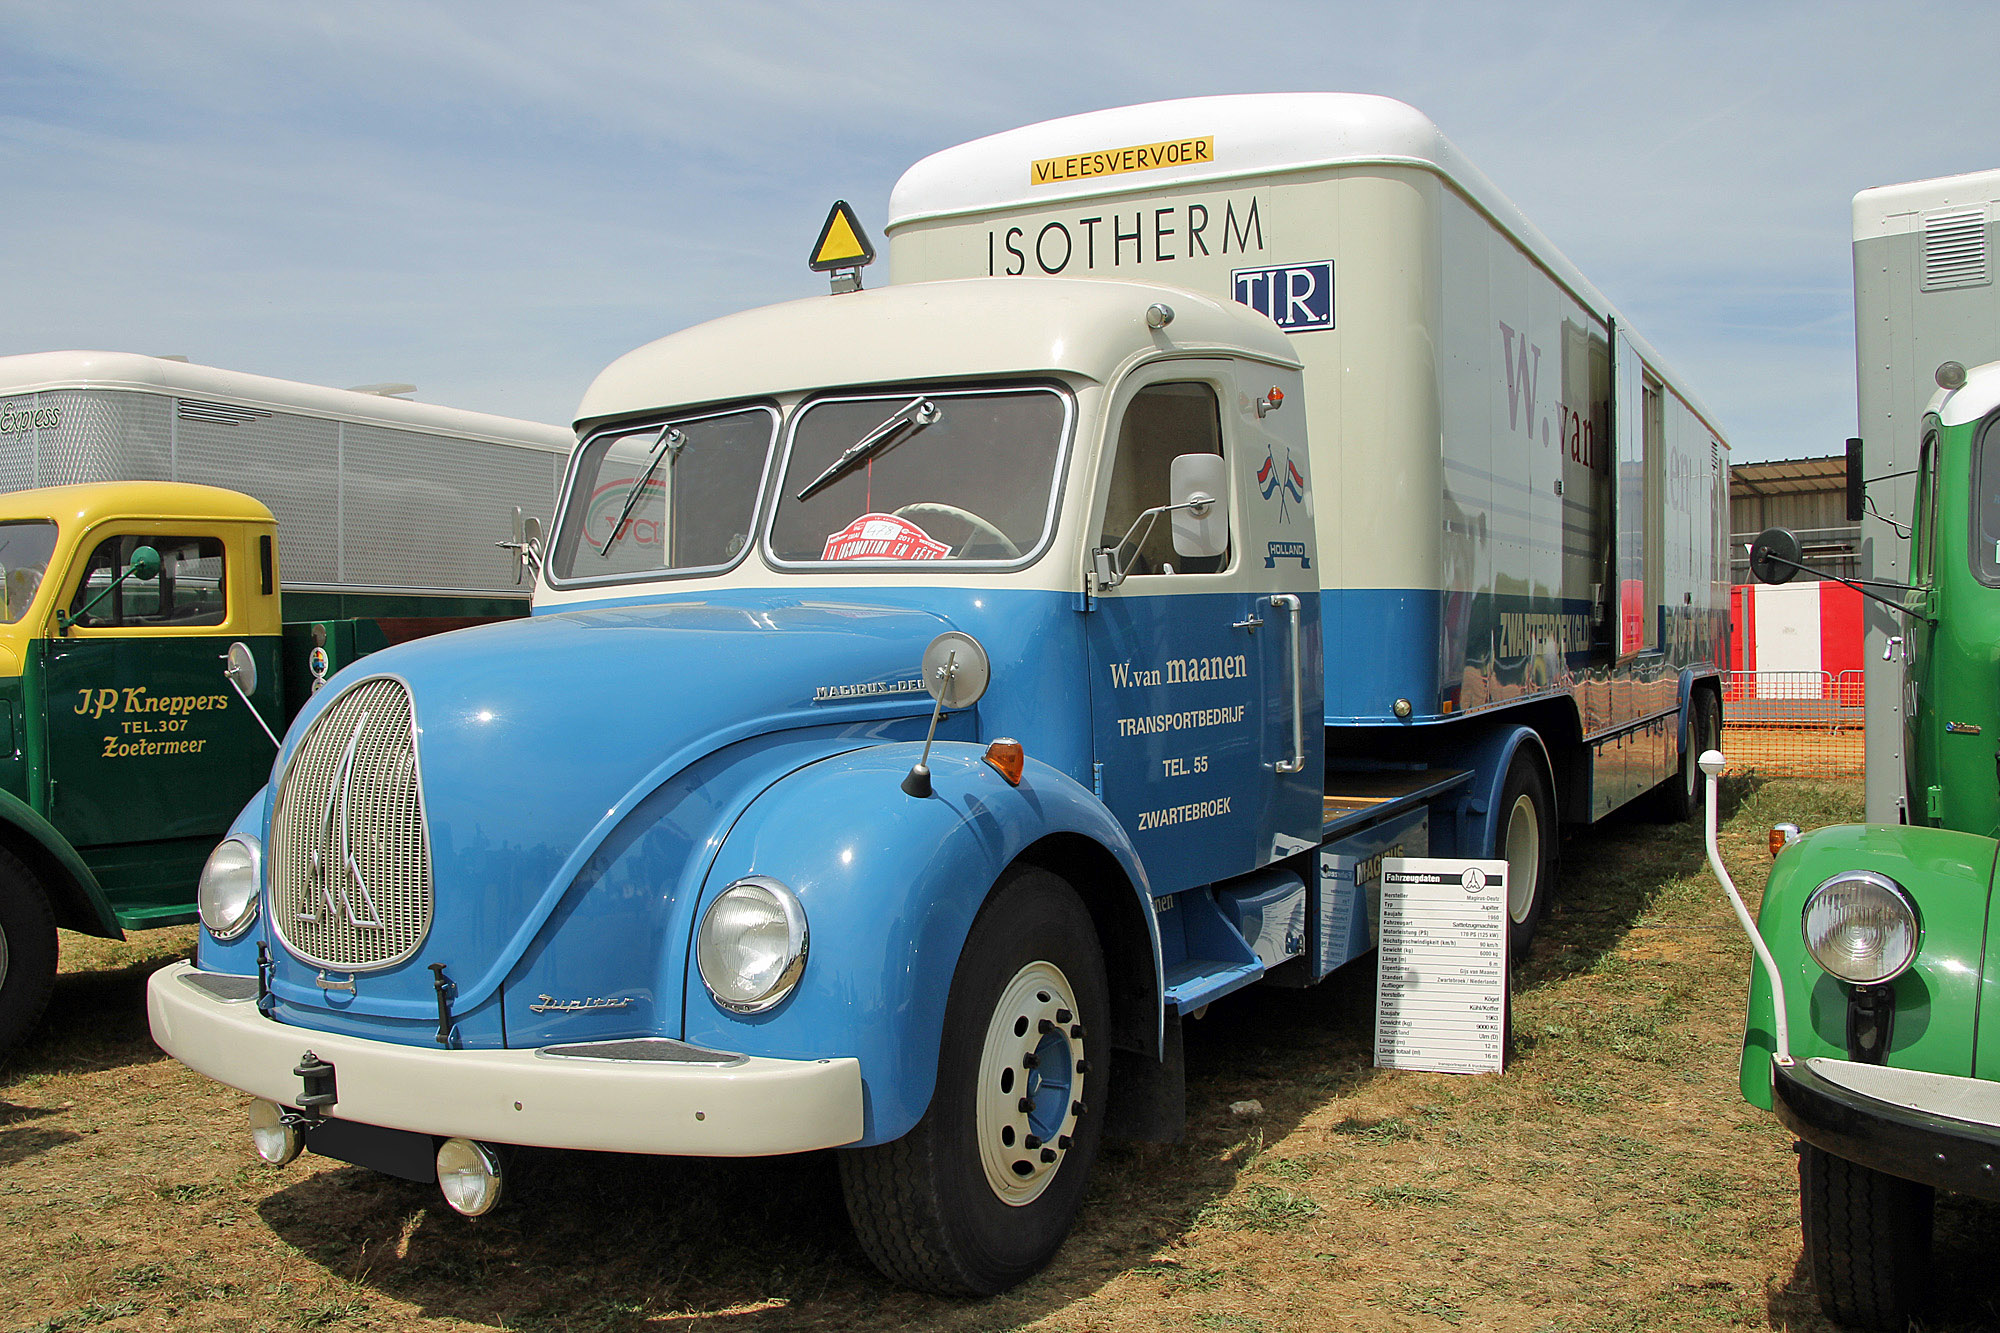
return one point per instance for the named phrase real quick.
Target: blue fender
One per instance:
(890, 884)
(1489, 754)
(1691, 677)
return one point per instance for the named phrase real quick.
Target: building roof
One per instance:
(1789, 476)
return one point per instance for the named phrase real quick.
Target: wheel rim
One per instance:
(1524, 856)
(1031, 1077)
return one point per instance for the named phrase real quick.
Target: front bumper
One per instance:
(639, 1097)
(1936, 1129)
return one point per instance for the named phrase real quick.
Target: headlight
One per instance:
(228, 893)
(752, 945)
(1861, 927)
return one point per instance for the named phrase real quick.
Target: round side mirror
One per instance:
(956, 670)
(240, 668)
(1774, 556)
(145, 563)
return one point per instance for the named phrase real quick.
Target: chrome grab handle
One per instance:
(1250, 624)
(1288, 602)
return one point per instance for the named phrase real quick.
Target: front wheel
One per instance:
(27, 952)
(981, 1192)
(1867, 1240)
(1685, 794)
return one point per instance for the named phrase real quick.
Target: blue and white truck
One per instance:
(1261, 495)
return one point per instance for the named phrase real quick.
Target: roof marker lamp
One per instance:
(1861, 928)
(752, 944)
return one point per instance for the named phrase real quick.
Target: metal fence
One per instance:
(1793, 724)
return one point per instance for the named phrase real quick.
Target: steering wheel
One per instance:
(981, 527)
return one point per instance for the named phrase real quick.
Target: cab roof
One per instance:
(167, 500)
(914, 332)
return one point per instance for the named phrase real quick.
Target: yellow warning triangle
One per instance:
(842, 243)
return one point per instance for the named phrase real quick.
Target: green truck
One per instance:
(1876, 943)
(153, 644)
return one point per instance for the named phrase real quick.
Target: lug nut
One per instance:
(1032, 1142)
(1076, 1109)
(1030, 1061)
(1083, 1066)
(1063, 1015)
(1048, 1154)
(1027, 1105)
(1063, 1142)
(1045, 1027)
(1076, 1032)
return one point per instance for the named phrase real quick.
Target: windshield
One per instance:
(25, 548)
(957, 475)
(674, 496)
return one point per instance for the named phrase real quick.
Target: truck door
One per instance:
(1205, 692)
(146, 741)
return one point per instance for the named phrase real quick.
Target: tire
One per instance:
(27, 952)
(1867, 1240)
(1525, 836)
(962, 1205)
(1685, 795)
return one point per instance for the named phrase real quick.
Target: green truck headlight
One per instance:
(1861, 927)
(227, 895)
(752, 945)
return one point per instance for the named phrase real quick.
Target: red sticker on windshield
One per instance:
(883, 537)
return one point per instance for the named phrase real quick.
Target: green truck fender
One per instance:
(1949, 876)
(74, 895)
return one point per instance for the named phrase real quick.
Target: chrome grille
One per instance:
(349, 855)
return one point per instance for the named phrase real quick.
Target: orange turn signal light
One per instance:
(1008, 759)
(1783, 836)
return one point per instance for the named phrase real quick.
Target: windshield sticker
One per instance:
(883, 537)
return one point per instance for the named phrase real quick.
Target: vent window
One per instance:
(222, 414)
(1955, 250)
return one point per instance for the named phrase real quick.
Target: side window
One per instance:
(1162, 422)
(189, 590)
(1985, 500)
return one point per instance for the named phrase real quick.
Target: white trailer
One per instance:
(374, 494)
(1923, 295)
(1522, 512)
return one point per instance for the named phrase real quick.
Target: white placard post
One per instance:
(1441, 970)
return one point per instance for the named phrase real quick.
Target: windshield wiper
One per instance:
(916, 414)
(670, 444)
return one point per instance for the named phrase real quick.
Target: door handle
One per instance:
(1290, 604)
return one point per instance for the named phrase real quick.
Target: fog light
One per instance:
(469, 1175)
(277, 1142)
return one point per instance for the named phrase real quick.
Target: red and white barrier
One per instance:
(1795, 628)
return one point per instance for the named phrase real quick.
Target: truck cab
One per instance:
(124, 753)
(1865, 1032)
(661, 886)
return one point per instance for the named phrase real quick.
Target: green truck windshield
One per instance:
(25, 548)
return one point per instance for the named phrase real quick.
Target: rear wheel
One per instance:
(982, 1191)
(1686, 793)
(1867, 1240)
(1524, 836)
(27, 952)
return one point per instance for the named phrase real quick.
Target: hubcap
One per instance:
(1524, 856)
(1031, 1083)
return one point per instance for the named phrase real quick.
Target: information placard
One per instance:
(1441, 970)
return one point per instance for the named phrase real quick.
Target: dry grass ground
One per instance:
(1610, 1180)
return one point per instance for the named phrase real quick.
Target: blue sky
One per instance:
(494, 199)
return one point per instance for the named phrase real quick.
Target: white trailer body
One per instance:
(1923, 294)
(373, 494)
(1517, 502)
